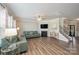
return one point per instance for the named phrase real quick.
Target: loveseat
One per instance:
(31, 34)
(14, 46)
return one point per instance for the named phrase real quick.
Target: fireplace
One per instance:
(43, 33)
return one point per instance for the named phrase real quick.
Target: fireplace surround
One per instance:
(43, 33)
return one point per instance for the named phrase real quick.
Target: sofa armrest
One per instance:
(22, 45)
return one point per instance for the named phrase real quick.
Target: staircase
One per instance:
(63, 36)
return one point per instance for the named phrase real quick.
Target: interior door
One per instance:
(72, 30)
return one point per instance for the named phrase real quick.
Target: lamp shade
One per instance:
(77, 19)
(10, 32)
(18, 28)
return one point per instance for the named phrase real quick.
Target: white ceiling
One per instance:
(51, 10)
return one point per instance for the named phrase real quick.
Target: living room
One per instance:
(39, 29)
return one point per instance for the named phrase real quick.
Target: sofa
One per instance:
(14, 46)
(31, 34)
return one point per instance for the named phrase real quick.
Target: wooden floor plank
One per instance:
(47, 46)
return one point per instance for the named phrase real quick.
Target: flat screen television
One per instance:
(44, 26)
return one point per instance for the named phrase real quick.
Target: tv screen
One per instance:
(44, 26)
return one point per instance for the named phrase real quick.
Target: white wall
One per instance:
(28, 26)
(53, 26)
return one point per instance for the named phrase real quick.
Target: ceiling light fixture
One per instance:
(39, 18)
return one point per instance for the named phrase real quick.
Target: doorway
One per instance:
(72, 30)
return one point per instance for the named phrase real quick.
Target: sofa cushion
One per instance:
(27, 32)
(30, 34)
(4, 43)
(15, 39)
(35, 32)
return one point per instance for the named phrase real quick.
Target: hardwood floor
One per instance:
(48, 46)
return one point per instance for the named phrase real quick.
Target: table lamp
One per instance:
(9, 32)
